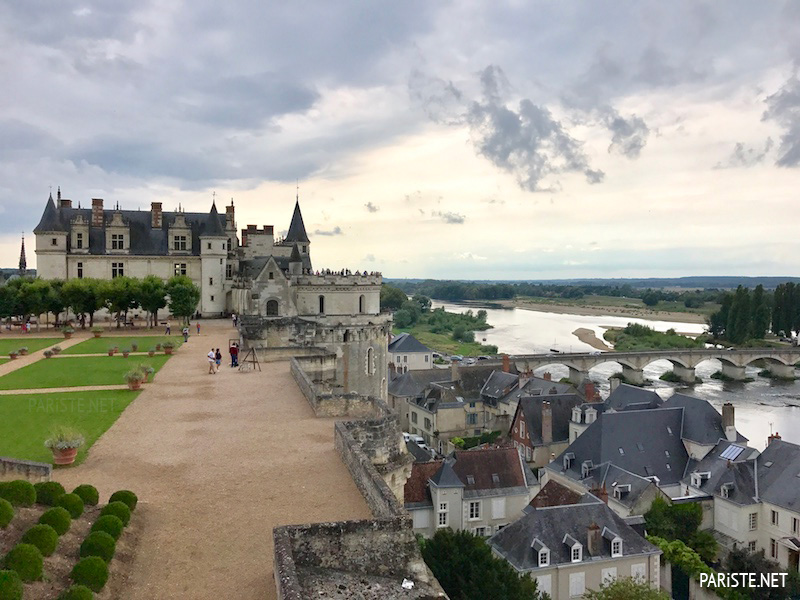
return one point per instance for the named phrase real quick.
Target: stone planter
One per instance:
(64, 457)
(97, 335)
(135, 385)
(12, 355)
(125, 354)
(150, 353)
(111, 353)
(168, 350)
(23, 352)
(67, 335)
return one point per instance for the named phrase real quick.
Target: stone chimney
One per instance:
(728, 423)
(614, 381)
(97, 212)
(600, 492)
(773, 437)
(524, 377)
(547, 423)
(547, 376)
(455, 375)
(64, 202)
(230, 221)
(588, 391)
(155, 214)
(593, 540)
(506, 364)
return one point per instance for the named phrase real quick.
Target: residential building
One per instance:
(406, 353)
(623, 397)
(570, 549)
(540, 427)
(480, 490)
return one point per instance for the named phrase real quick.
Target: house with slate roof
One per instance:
(479, 490)
(570, 549)
(540, 427)
(407, 353)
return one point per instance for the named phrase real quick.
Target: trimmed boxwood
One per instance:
(125, 496)
(73, 504)
(99, 543)
(10, 586)
(6, 513)
(19, 492)
(119, 510)
(88, 494)
(47, 492)
(43, 537)
(111, 524)
(58, 518)
(77, 592)
(26, 560)
(91, 571)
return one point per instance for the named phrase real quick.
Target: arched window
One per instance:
(322, 305)
(370, 362)
(348, 336)
(361, 303)
(272, 308)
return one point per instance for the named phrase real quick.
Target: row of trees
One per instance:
(26, 297)
(745, 315)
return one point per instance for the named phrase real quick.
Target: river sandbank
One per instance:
(587, 336)
(613, 311)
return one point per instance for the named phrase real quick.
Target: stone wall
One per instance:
(12, 468)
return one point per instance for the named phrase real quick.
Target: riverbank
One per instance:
(587, 336)
(601, 311)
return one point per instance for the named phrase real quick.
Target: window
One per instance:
(427, 423)
(621, 452)
(498, 508)
(544, 558)
(576, 554)
(229, 245)
(795, 525)
(272, 308)
(322, 305)
(616, 548)
(608, 575)
(80, 270)
(441, 520)
(209, 245)
(405, 358)
(481, 531)
(271, 275)
(54, 242)
(527, 453)
(475, 510)
(210, 281)
(117, 241)
(361, 303)
(577, 585)
(472, 418)
(774, 517)
(522, 429)
(228, 271)
(472, 405)
(426, 358)
(305, 249)
(545, 584)
(773, 548)
(470, 480)
(212, 298)
(179, 242)
(180, 268)
(413, 417)
(751, 546)
(79, 240)
(117, 269)
(370, 362)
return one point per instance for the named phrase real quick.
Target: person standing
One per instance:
(218, 358)
(212, 359)
(233, 318)
(235, 355)
(168, 329)
(186, 334)
(198, 328)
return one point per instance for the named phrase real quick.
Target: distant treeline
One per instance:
(702, 282)
(745, 315)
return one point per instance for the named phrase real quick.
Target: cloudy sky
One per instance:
(499, 139)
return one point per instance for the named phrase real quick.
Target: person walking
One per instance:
(198, 328)
(218, 358)
(168, 329)
(186, 334)
(212, 360)
(233, 318)
(234, 354)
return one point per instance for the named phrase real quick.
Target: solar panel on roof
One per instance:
(732, 452)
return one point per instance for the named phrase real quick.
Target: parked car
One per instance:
(457, 357)
(470, 361)
(484, 358)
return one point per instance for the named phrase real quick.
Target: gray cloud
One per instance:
(335, 231)
(369, 258)
(450, 218)
(783, 107)
(371, 207)
(629, 135)
(746, 156)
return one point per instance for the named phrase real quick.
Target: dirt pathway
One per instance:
(83, 388)
(217, 462)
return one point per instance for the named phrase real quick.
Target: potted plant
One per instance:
(23, 351)
(64, 441)
(12, 355)
(126, 352)
(134, 347)
(158, 347)
(48, 353)
(112, 350)
(67, 331)
(151, 352)
(56, 349)
(134, 379)
(97, 331)
(147, 372)
(168, 347)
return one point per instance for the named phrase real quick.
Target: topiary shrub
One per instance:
(91, 571)
(43, 537)
(6, 513)
(10, 586)
(119, 510)
(77, 592)
(99, 543)
(58, 518)
(111, 524)
(125, 496)
(19, 492)
(88, 494)
(26, 560)
(47, 492)
(73, 504)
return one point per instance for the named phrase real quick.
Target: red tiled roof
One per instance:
(555, 494)
(416, 488)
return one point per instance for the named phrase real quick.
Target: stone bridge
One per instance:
(779, 361)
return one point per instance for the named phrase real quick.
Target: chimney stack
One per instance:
(547, 423)
(593, 542)
(600, 492)
(523, 379)
(588, 391)
(97, 212)
(64, 202)
(728, 423)
(506, 364)
(614, 381)
(229, 216)
(547, 376)
(773, 437)
(156, 214)
(454, 373)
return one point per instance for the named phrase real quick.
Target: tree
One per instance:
(392, 297)
(54, 299)
(31, 296)
(84, 297)
(467, 569)
(423, 301)
(8, 302)
(184, 296)
(152, 297)
(120, 295)
(739, 560)
(760, 313)
(651, 297)
(403, 319)
(626, 588)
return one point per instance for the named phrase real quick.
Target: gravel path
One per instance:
(84, 388)
(28, 359)
(218, 461)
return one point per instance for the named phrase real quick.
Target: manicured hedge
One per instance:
(19, 492)
(110, 524)
(77, 592)
(125, 496)
(118, 509)
(10, 586)
(99, 543)
(73, 504)
(88, 494)
(26, 560)
(47, 492)
(43, 537)
(91, 571)
(6, 513)
(58, 518)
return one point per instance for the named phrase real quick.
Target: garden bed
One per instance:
(100, 345)
(31, 343)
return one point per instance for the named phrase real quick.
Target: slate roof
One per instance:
(297, 229)
(612, 477)
(418, 453)
(499, 384)
(561, 406)
(627, 397)
(779, 483)
(413, 383)
(405, 342)
(214, 223)
(251, 268)
(51, 220)
(702, 422)
(536, 386)
(550, 526)
(555, 494)
(716, 467)
(446, 476)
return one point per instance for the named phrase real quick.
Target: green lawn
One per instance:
(33, 344)
(26, 419)
(100, 345)
(4, 360)
(444, 342)
(77, 371)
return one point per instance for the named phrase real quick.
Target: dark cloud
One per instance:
(629, 135)
(783, 107)
(450, 218)
(371, 207)
(746, 156)
(335, 231)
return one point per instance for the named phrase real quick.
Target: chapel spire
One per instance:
(23, 263)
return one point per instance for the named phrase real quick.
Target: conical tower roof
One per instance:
(213, 225)
(23, 263)
(51, 220)
(297, 230)
(295, 256)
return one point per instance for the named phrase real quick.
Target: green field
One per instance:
(26, 419)
(77, 371)
(100, 345)
(444, 342)
(636, 338)
(33, 344)
(4, 360)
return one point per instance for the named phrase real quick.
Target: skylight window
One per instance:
(732, 452)
(640, 447)
(768, 464)
(495, 479)
(621, 451)
(669, 430)
(470, 480)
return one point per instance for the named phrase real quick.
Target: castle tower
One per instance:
(23, 263)
(213, 259)
(51, 243)
(297, 230)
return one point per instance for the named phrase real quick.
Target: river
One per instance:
(762, 406)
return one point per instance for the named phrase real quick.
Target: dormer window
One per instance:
(591, 415)
(577, 553)
(586, 468)
(727, 490)
(470, 480)
(622, 490)
(616, 548)
(568, 458)
(541, 552)
(575, 548)
(576, 415)
(544, 558)
(700, 477)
